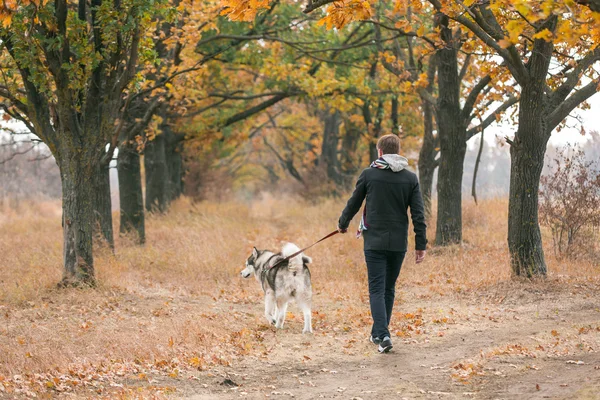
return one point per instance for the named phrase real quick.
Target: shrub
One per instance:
(570, 202)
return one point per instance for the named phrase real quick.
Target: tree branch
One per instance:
(492, 117)
(313, 5)
(489, 36)
(472, 97)
(256, 109)
(564, 109)
(562, 92)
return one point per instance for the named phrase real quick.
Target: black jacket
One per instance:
(389, 195)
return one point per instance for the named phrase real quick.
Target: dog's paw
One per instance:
(307, 331)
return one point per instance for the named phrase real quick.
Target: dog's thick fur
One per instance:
(282, 283)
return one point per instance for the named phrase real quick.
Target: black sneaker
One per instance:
(375, 340)
(385, 345)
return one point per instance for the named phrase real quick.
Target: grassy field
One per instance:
(173, 319)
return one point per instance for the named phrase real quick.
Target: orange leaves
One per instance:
(9, 7)
(343, 12)
(243, 10)
(6, 19)
(505, 43)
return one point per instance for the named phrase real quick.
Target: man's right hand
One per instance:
(420, 256)
(342, 230)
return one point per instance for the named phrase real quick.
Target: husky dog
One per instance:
(282, 282)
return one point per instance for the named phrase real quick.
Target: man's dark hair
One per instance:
(389, 144)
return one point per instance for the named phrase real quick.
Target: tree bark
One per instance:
(348, 158)
(329, 151)
(527, 161)
(427, 162)
(103, 226)
(453, 147)
(376, 131)
(77, 175)
(394, 116)
(174, 164)
(130, 192)
(157, 175)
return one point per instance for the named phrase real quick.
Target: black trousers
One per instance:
(383, 268)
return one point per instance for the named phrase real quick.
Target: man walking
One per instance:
(390, 190)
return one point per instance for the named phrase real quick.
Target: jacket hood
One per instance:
(395, 161)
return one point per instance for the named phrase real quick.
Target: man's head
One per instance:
(388, 144)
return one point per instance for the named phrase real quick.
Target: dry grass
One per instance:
(163, 307)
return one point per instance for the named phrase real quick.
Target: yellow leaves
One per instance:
(524, 8)
(544, 35)
(196, 362)
(343, 12)
(515, 29)
(243, 10)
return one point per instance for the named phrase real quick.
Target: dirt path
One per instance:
(535, 345)
(509, 341)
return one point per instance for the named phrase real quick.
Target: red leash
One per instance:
(306, 248)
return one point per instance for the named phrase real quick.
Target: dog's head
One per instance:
(250, 264)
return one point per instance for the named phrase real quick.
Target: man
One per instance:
(390, 190)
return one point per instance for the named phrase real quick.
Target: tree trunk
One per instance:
(174, 165)
(453, 146)
(103, 226)
(349, 161)
(427, 163)
(527, 161)
(130, 192)
(157, 175)
(376, 131)
(329, 151)
(77, 176)
(394, 116)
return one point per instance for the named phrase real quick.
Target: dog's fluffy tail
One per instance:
(296, 263)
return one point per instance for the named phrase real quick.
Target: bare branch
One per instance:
(17, 153)
(464, 68)
(492, 117)
(561, 93)
(313, 5)
(564, 109)
(472, 97)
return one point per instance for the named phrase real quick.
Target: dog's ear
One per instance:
(306, 259)
(255, 252)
